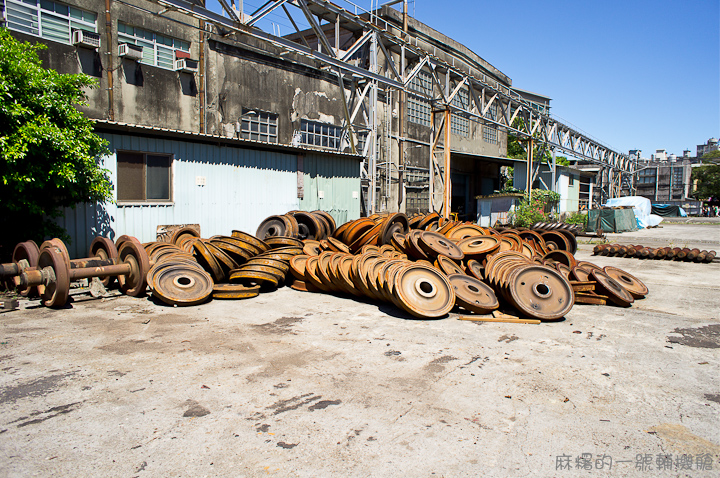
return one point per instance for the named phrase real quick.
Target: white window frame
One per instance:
(460, 125)
(30, 17)
(153, 50)
(262, 120)
(322, 135)
(489, 130)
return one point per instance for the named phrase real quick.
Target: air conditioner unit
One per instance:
(186, 65)
(86, 39)
(130, 51)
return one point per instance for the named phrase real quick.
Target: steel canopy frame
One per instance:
(483, 91)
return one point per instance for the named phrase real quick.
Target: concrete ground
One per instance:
(300, 384)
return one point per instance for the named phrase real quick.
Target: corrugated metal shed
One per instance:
(242, 187)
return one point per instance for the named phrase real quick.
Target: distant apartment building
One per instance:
(666, 179)
(711, 145)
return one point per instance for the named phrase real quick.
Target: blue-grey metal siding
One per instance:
(242, 187)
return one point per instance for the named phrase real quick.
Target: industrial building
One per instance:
(212, 120)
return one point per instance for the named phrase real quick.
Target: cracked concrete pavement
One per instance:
(301, 384)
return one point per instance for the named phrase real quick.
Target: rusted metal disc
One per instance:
(472, 294)
(413, 221)
(463, 231)
(30, 252)
(448, 266)
(540, 292)
(183, 232)
(563, 269)
(134, 283)
(206, 259)
(387, 250)
(238, 254)
(122, 239)
(357, 229)
(475, 269)
(609, 287)
(367, 248)
(250, 239)
(279, 274)
(177, 284)
(475, 246)
(104, 249)
(226, 262)
(235, 291)
(563, 257)
(169, 262)
(301, 286)
(370, 236)
(56, 293)
(581, 274)
(589, 266)
(337, 245)
(434, 244)
(283, 266)
(397, 222)
(309, 226)
(328, 218)
(249, 276)
(344, 273)
(277, 242)
(429, 219)
(446, 227)
(558, 239)
(631, 283)
(311, 274)
(338, 234)
(60, 245)
(297, 266)
(424, 291)
(398, 241)
(312, 248)
(390, 275)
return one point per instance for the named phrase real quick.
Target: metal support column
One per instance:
(447, 200)
(373, 125)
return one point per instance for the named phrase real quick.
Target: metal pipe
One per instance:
(447, 182)
(109, 69)
(89, 272)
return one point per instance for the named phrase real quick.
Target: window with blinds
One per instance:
(46, 19)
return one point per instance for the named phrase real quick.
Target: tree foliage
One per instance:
(48, 150)
(535, 207)
(707, 177)
(517, 149)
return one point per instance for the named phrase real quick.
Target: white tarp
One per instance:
(642, 208)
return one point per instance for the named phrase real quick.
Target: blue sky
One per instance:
(632, 74)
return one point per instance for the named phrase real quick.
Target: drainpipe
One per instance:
(201, 68)
(108, 32)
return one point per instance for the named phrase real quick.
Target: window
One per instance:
(362, 137)
(324, 135)
(459, 124)
(490, 134)
(158, 50)
(677, 177)
(422, 83)
(646, 176)
(143, 177)
(51, 20)
(418, 111)
(259, 126)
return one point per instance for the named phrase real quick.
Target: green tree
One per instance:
(707, 177)
(48, 150)
(516, 149)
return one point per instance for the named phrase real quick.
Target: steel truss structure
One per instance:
(380, 57)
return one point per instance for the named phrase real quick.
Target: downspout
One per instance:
(108, 32)
(201, 67)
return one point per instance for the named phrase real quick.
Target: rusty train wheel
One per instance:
(56, 293)
(30, 252)
(540, 292)
(632, 284)
(472, 294)
(424, 291)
